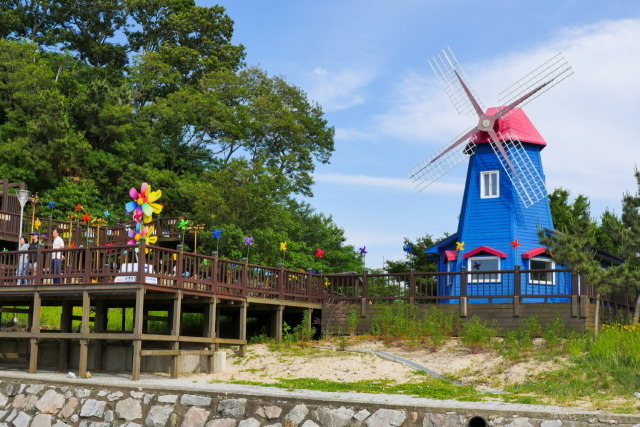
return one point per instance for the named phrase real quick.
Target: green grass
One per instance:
(432, 388)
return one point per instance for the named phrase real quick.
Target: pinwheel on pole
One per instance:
(183, 224)
(248, 242)
(283, 248)
(217, 234)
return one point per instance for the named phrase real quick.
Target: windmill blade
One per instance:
(445, 65)
(544, 78)
(443, 160)
(524, 176)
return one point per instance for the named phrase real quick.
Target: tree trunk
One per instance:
(596, 316)
(636, 310)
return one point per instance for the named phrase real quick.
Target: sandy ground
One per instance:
(485, 371)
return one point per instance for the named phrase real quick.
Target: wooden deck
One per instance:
(156, 286)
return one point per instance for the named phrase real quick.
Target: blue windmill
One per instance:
(500, 217)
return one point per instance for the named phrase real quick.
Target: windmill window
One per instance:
(489, 184)
(541, 277)
(478, 265)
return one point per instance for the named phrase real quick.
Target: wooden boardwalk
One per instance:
(144, 281)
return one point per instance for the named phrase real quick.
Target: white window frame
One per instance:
(543, 282)
(490, 175)
(480, 277)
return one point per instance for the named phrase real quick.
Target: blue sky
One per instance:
(366, 64)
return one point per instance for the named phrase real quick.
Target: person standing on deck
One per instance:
(56, 257)
(23, 261)
(34, 246)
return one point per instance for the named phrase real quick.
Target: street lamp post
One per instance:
(23, 196)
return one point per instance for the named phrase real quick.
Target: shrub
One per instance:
(476, 334)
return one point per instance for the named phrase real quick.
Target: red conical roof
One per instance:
(516, 123)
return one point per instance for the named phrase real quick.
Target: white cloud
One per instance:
(589, 120)
(385, 183)
(337, 90)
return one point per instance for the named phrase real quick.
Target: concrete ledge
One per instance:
(251, 402)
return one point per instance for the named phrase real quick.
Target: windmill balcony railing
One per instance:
(172, 270)
(557, 285)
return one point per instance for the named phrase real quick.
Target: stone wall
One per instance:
(91, 403)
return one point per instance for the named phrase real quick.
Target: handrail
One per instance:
(170, 269)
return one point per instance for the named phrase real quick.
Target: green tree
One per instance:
(416, 258)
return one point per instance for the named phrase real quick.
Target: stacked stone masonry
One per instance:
(25, 404)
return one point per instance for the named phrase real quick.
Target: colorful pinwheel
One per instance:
(283, 248)
(86, 218)
(363, 250)
(248, 242)
(515, 244)
(144, 202)
(408, 248)
(145, 233)
(320, 253)
(217, 234)
(37, 224)
(183, 224)
(52, 204)
(459, 246)
(106, 214)
(78, 207)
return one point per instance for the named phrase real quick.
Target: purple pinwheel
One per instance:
(363, 250)
(248, 242)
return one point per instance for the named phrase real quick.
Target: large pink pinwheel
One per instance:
(143, 204)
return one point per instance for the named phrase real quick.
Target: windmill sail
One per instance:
(440, 162)
(525, 177)
(445, 65)
(526, 180)
(547, 76)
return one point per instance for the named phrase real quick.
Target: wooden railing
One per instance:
(157, 267)
(170, 269)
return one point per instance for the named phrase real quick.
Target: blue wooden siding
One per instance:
(496, 222)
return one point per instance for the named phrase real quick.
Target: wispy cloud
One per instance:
(589, 121)
(338, 90)
(384, 183)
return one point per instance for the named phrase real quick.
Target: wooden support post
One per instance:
(98, 326)
(278, 325)
(575, 306)
(210, 330)
(35, 329)
(584, 306)
(84, 333)
(217, 346)
(463, 307)
(412, 287)
(137, 334)
(281, 281)
(516, 306)
(243, 326)
(365, 292)
(176, 317)
(65, 326)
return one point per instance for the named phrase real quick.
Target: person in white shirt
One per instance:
(56, 257)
